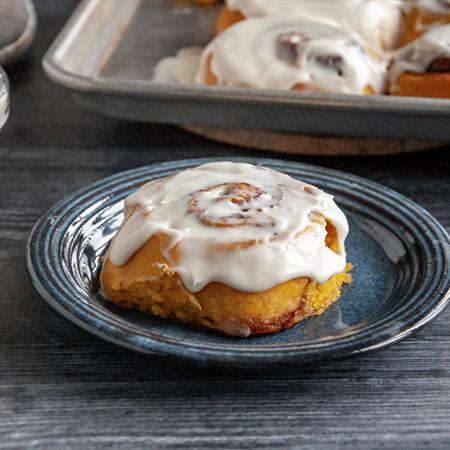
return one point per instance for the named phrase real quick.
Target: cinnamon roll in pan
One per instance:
(422, 68)
(231, 247)
(377, 21)
(292, 54)
(421, 15)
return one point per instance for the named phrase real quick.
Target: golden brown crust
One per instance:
(146, 283)
(210, 78)
(205, 2)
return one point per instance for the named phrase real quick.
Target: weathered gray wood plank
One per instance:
(63, 388)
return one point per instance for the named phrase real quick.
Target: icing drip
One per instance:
(283, 53)
(377, 21)
(419, 55)
(248, 227)
(180, 68)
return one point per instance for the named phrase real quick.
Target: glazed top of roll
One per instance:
(248, 227)
(429, 53)
(378, 21)
(437, 6)
(281, 52)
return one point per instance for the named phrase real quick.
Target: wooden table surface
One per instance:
(60, 387)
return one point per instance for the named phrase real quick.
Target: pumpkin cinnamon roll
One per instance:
(292, 54)
(422, 68)
(377, 21)
(420, 15)
(231, 247)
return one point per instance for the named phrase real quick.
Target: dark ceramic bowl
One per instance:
(18, 24)
(399, 251)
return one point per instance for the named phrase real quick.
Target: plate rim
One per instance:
(203, 353)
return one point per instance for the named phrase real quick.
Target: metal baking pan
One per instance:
(106, 53)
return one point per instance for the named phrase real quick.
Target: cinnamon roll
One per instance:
(420, 15)
(231, 247)
(377, 21)
(422, 68)
(292, 54)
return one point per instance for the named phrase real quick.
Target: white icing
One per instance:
(180, 68)
(377, 21)
(275, 235)
(419, 54)
(251, 54)
(233, 327)
(436, 6)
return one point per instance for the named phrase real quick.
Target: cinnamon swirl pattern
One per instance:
(292, 54)
(242, 249)
(276, 222)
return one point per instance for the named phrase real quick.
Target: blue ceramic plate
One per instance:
(399, 251)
